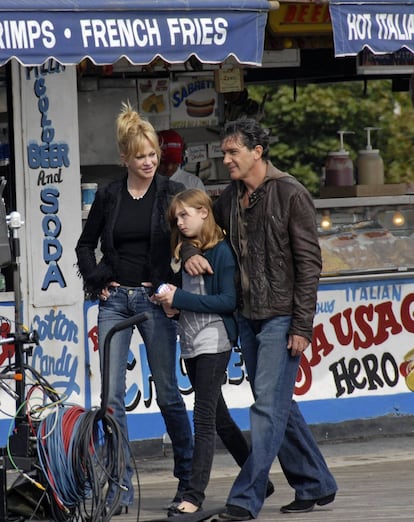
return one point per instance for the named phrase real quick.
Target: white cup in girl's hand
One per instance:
(163, 288)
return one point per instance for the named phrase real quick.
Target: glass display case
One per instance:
(366, 237)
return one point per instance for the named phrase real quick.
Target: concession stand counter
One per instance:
(46, 50)
(367, 237)
(363, 342)
(60, 92)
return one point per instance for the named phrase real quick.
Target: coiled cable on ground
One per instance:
(82, 455)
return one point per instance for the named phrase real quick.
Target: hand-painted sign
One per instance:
(53, 188)
(359, 364)
(383, 27)
(105, 31)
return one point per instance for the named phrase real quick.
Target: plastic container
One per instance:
(370, 166)
(4, 147)
(88, 194)
(339, 167)
(2, 282)
(163, 288)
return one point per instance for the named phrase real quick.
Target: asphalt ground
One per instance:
(375, 479)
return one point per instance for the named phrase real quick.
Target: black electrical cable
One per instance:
(82, 455)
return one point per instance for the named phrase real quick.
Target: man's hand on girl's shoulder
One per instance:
(197, 265)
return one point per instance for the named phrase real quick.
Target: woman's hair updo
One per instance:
(133, 132)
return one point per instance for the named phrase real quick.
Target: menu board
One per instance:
(154, 102)
(194, 102)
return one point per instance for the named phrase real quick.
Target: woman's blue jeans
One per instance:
(277, 426)
(160, 338)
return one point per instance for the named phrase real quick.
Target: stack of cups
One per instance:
(88, 194)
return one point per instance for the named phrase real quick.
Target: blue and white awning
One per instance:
(32, 31)
(383, 26)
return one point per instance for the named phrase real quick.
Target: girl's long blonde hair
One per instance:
(211, 233)
(132, 132)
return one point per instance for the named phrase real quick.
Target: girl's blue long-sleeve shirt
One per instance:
(221, 295)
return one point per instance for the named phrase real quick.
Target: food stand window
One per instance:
(366, 236)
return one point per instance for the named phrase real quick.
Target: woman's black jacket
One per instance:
(100, 226)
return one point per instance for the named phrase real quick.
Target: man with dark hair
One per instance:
(270, 222)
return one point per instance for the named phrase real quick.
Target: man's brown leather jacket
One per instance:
(284, 259)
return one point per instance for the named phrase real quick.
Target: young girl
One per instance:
(208, 332)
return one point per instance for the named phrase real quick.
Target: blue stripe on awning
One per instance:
(107, 30)
(381, 26)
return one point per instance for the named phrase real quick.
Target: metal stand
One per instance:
(3, 485)
(19, 442)
(15, 223)
(20, 445)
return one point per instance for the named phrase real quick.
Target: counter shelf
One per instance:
(366, 238)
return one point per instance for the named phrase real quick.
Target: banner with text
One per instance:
(382, 27)
(107, 30)
(360, 363)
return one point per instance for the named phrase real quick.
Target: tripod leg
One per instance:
(3, 485)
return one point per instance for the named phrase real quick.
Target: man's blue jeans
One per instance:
(277, 426)
(160, 339)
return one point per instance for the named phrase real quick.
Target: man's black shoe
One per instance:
(304, 506)
(234, 514)
(326, 500)
(270, 489)
(298, 506)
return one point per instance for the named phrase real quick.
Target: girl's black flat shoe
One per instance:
(119, 510)
(175, 511)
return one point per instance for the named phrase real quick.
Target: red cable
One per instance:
(69, 420)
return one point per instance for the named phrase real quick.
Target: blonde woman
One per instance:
(129, 217)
